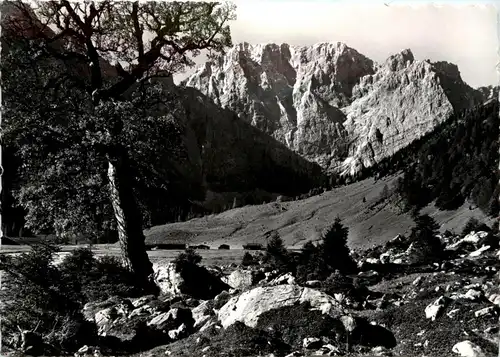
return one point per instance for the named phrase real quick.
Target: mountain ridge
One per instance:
(330, 103)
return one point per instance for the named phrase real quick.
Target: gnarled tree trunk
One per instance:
(129, 223)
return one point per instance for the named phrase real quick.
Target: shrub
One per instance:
(338, 283)
(473, 225)
(294, 323)
(239, 340)
(38, 296)
(198, 282)
(52, 296)
(248, 260)
(189, 257)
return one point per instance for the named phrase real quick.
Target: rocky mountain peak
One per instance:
(330, 103)
(400, 61)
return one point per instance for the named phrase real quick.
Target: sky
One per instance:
(465, 33)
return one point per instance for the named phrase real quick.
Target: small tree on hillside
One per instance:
(311, 265)
(424, 235)
(335, 251)
(276, 252)
(427, 224)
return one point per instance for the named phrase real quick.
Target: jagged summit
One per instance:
(332, 104)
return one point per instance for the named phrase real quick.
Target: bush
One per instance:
(239, 340)
(338, 283)
(52, 297)
(473, 225)
(97, 279)
(248, 260)
(294, 323)
(188, 257)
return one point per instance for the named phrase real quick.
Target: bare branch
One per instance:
(137, 30)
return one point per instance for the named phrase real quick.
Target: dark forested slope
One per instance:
(457, 161)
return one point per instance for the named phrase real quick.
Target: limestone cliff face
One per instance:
(331, 104)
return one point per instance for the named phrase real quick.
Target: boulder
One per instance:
(124, 334)
(487, 311)
(473, 294)
(168, 279)
(295, 354)
(143, 300)
(420, 252)
(104, 318)
(433, 310)
(243, 279)
(190, 279)
(312, 343)
(91, 308)
(451, 314)
(472, 239)
(417, 281)
(479, 251)
(468, 349)
(178, 333)
(287, 278)
(172, 319)
(201, 314)
(251, 304)
(495, 299)
(313, 283)
(475, 237)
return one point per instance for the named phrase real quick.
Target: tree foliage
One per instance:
(50, 297)
(317, 262)
(335, 250)
(83, 110)
(424, 237)
(276, 253)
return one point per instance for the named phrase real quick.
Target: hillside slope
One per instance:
(299, 221)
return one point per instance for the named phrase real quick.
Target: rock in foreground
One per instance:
(251, 304)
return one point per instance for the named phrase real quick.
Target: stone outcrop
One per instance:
(331, 104)
(248, 306)
(243, 279)
(193, 280)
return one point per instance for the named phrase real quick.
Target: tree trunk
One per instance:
(129, 223)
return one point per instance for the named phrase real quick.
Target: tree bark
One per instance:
(129, 223)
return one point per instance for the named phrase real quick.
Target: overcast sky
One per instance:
(453, 31)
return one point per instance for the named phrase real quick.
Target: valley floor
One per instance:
(298, 221)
